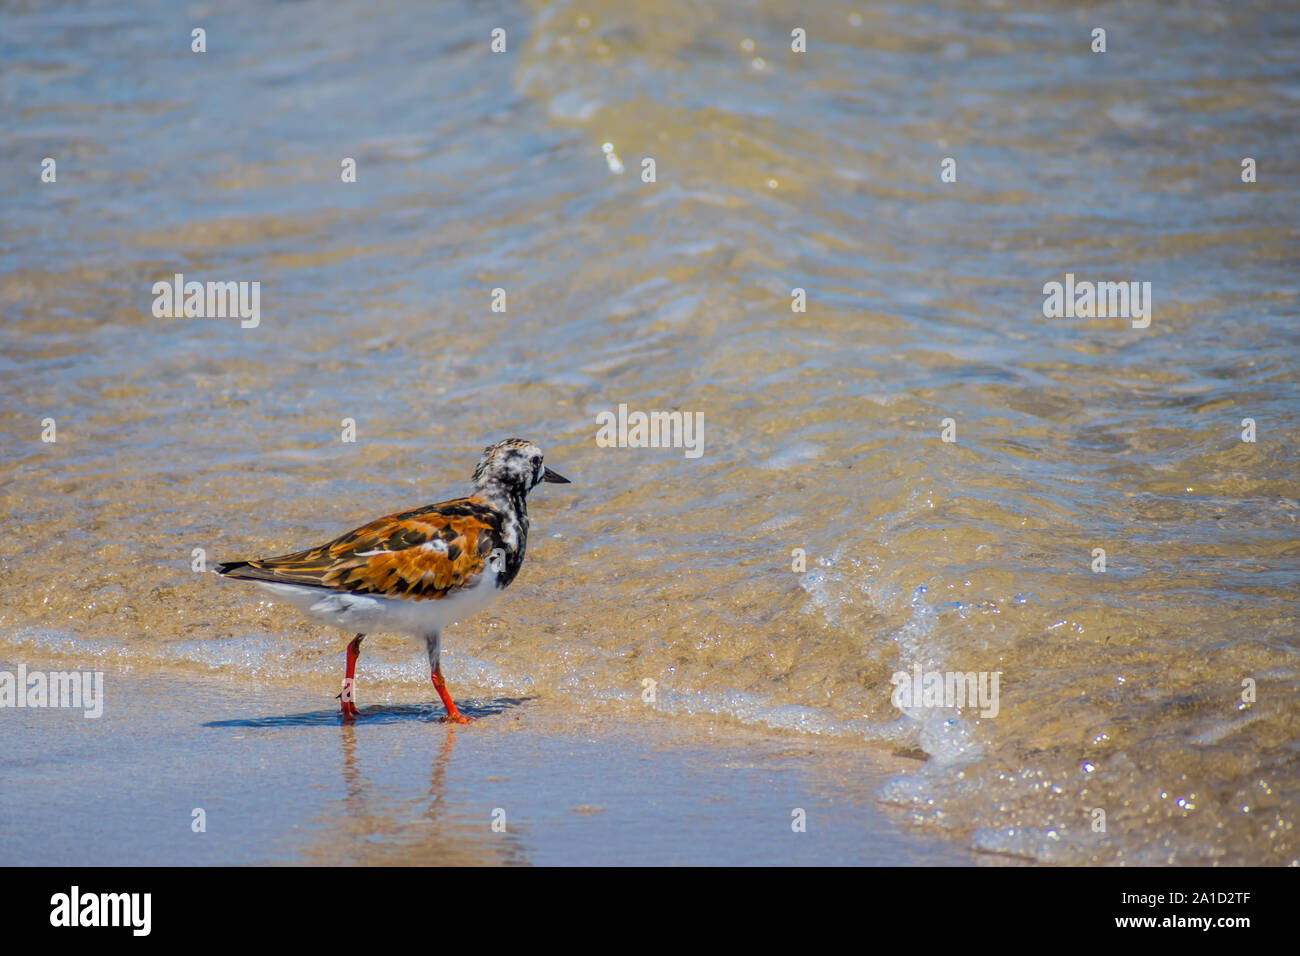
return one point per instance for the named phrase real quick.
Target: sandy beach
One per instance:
(985, 328)
(281, 781)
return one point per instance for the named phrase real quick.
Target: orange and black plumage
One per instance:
(415, 571)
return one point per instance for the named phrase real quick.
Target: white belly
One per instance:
(373, 613)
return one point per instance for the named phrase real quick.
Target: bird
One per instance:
(416, 571)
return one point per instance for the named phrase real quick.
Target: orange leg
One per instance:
(348, 696)
(454, 716)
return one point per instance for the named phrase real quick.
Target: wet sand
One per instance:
(1112, 528)
(282, 781)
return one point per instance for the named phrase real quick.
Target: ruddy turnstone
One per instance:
(417, 571)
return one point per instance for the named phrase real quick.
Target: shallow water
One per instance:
(279, 781)
(774, 170)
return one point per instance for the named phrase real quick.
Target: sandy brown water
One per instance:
(1120, 690)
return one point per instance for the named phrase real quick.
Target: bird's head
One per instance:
(514, 464)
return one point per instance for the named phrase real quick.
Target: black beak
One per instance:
(555, 479)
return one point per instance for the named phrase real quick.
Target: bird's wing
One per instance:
(426, 553)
